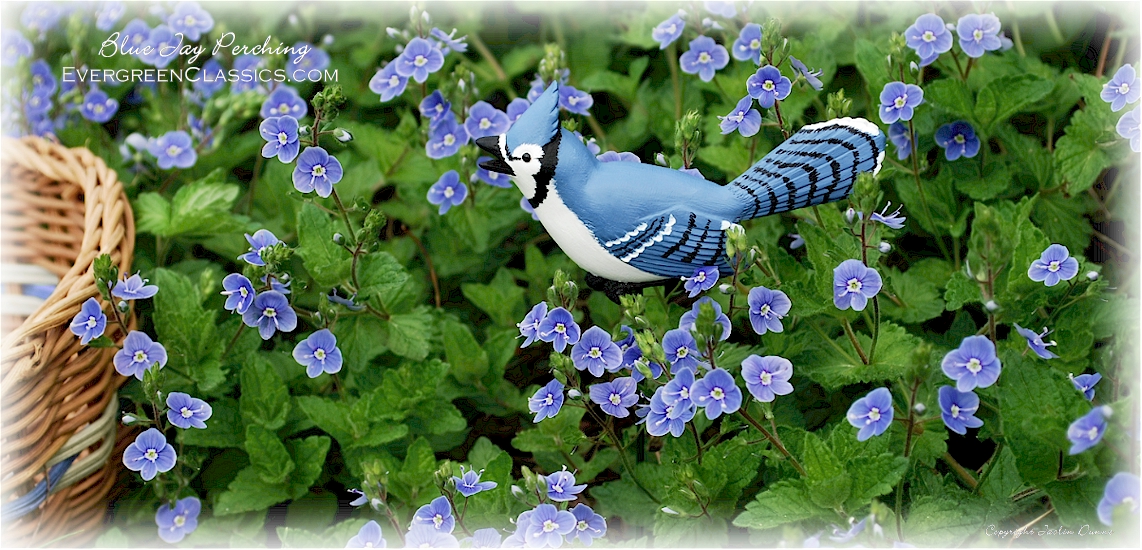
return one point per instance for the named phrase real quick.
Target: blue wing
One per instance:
(816, 165)
(672, 244)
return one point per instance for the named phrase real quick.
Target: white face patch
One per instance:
(524, 161)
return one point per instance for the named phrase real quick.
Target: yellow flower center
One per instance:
(974, 366)
(173, 150)
(928, 36)
(766, 378)
(874, 414)
(319, 354)
(140, 356)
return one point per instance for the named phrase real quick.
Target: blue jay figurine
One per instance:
(633, 225)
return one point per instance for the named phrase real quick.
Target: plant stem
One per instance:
(344, 215)
(697, 440)
(960, 471)
(920, 189)
(431, 268)
(875, 329)
(474, 40)
(237, 333)
(672, 62)
(772, 439)
(990, 467)
(855, 343)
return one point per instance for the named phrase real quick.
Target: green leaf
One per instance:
(360, 425)
(553, 434)
(784, 502)
(248, 493)
(408, 334)
(871, 61)
(358, 341)
(265, 398)
(381, 276)
(919, 299)
(834, 363)
(828, 483)
(501, 299)
(325, 260)
(223, 429)
(951, 96)
(961, 290)
(468, 360)
(268, 456)
(415, 473)
(1007, 95)
(198, 208)
(183, 326)
(873, 476)
(994, 181)
(930, 445)
(1076, 501)
(309, 456)
(152, 214)
(946, 520)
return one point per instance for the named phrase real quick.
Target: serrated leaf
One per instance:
(1007, 95)
(358, 341)
(961, 290)
(183, 325)
(325, 260)
(951, 96)
(381, 276)
(501, 298)
(468, 360)
(309, 456)
(224, 429)
(943, 521)
(835, 364)
(265, 398)
(828, 483)
(919, 300)
(248, 493)
(268, 455)
(784, 502)
(553, 434)
(408, 334)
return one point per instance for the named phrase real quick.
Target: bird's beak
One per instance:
(491, 144)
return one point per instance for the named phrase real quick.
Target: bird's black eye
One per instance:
(527, 157)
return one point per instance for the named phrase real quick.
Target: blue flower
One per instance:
(90, 322)
(181, 520)
(109, 13)
(1124, 88)
(485, 120)
(1035, 341)
(810, 76)
(897, 101)
(704, 58)
(616, 396)
(37, 103)
(447, 192)
(316, 170)
(717, 392)
(270, 312)
(681, 350)
(434, 107)
(958, 139)
(661, 418)
(547, 526)
(1127, 127)
(41, 16)
(186, 411)
(547, 401)
(387, 83)
(724, 9)
(42, 79)
(419, 59)
(280, 134)
(899, 136)
(1123, 488)
(486, 538)
(627, 340)
(149, 454)
(174, 149)
(973, 364)
(436, 514)
(349, 302)
(516, 108)
(284, 100)
(590, 525)
(561, 486)
(748, 44)
(871, 413)
(679, 393)
(978, 33)
(559, 328)
(767, 377)
(277, 284)
(690, 318)
(668, 31)
(446, 138)
(424, 536)
(314, 60)
(574, 100)
(516, 539)
(13, 48)
(613, 156)
(595, 352)
(704, 278)
(632, 355)
(1054, 264)
(743, 118)
(529, 327)
(261, 240)
(448, 43)
(136, 33)
(495, 179)
(245, 64)
(191, 20)
(318, 353)
(134, 288)
(767, 308)
(526, 207)
(211, 79)
(1085, 383)
(1088, 430)
(469, 482)
(893, 220)
(138, 354)
(160, 47)
(854, 284)
(767, 85)
(929, 37)
(369, 536)
(958, 409)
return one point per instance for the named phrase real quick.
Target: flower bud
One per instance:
(392, 32)
(850, 215)
(913, 67)
(1106, 411)
(462, 84)
(303, 130)
(660, 159)
(129, 419)
(991, 305)
(884, 247)
(293, 19)
(1092, 276)
(919, 408)
(426, 17)
(342, 135)
(123, 306)
(517, 492)
(337, 238)
(667, 510)
(574, 393)
(327, 39)
(725, 288)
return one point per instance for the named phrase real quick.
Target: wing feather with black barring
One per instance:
(818, 164)
(673, 244)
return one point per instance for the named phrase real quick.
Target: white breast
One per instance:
(580, 244)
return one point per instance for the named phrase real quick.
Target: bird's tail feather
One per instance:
(818, 164)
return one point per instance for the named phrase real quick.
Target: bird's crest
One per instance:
(539, 123)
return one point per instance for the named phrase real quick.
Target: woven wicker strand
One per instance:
(61, 209)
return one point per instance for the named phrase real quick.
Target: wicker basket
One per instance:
(61, 209)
